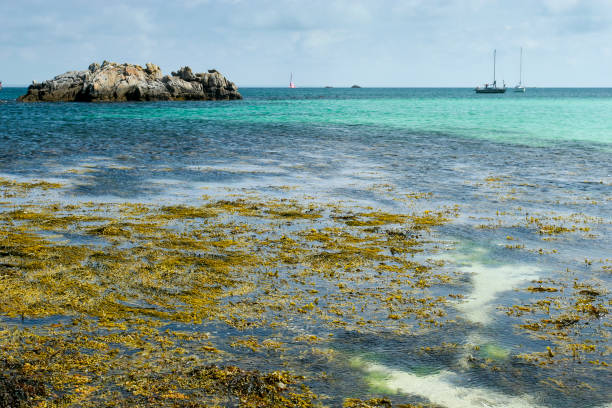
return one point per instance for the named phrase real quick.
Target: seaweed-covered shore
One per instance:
(113, 304)
(268, 303)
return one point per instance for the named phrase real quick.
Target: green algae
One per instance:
(494, 352)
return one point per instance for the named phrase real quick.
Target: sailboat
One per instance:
(520, 87)
(291, 84)
(491, 88)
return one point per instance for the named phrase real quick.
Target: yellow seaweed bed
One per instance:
(109, 304)
(93, 295)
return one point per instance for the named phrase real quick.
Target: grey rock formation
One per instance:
(113, 82)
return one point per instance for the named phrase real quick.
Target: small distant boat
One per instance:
(291, 84)
(0, 85)
(520, 87)
(491, 88)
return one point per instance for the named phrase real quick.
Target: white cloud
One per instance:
(560, 6)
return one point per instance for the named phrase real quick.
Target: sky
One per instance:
(386, 43)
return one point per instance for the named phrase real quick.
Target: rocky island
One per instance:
(112, 82)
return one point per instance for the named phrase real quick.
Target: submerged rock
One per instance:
(114, 82)
(372, 403)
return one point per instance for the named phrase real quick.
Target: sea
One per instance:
(530, 175)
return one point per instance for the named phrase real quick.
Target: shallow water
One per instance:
(529, 175)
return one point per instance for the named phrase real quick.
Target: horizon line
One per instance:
(378, 87)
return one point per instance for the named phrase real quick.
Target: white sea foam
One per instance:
(239, 168)
(441, 389)
(488, 282)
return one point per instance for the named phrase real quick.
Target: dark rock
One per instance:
(355, 86)
(19, 387)
(126, 82)
(185, 74)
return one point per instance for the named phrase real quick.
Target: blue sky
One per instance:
(323, 42)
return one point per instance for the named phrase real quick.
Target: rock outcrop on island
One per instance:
(112, 82)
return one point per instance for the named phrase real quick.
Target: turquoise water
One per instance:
(538, 116)
(501, 159)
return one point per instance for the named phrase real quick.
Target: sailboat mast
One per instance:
(291, 84)
(494, 53)
(521, 68)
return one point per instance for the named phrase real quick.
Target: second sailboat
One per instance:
(520, 87)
